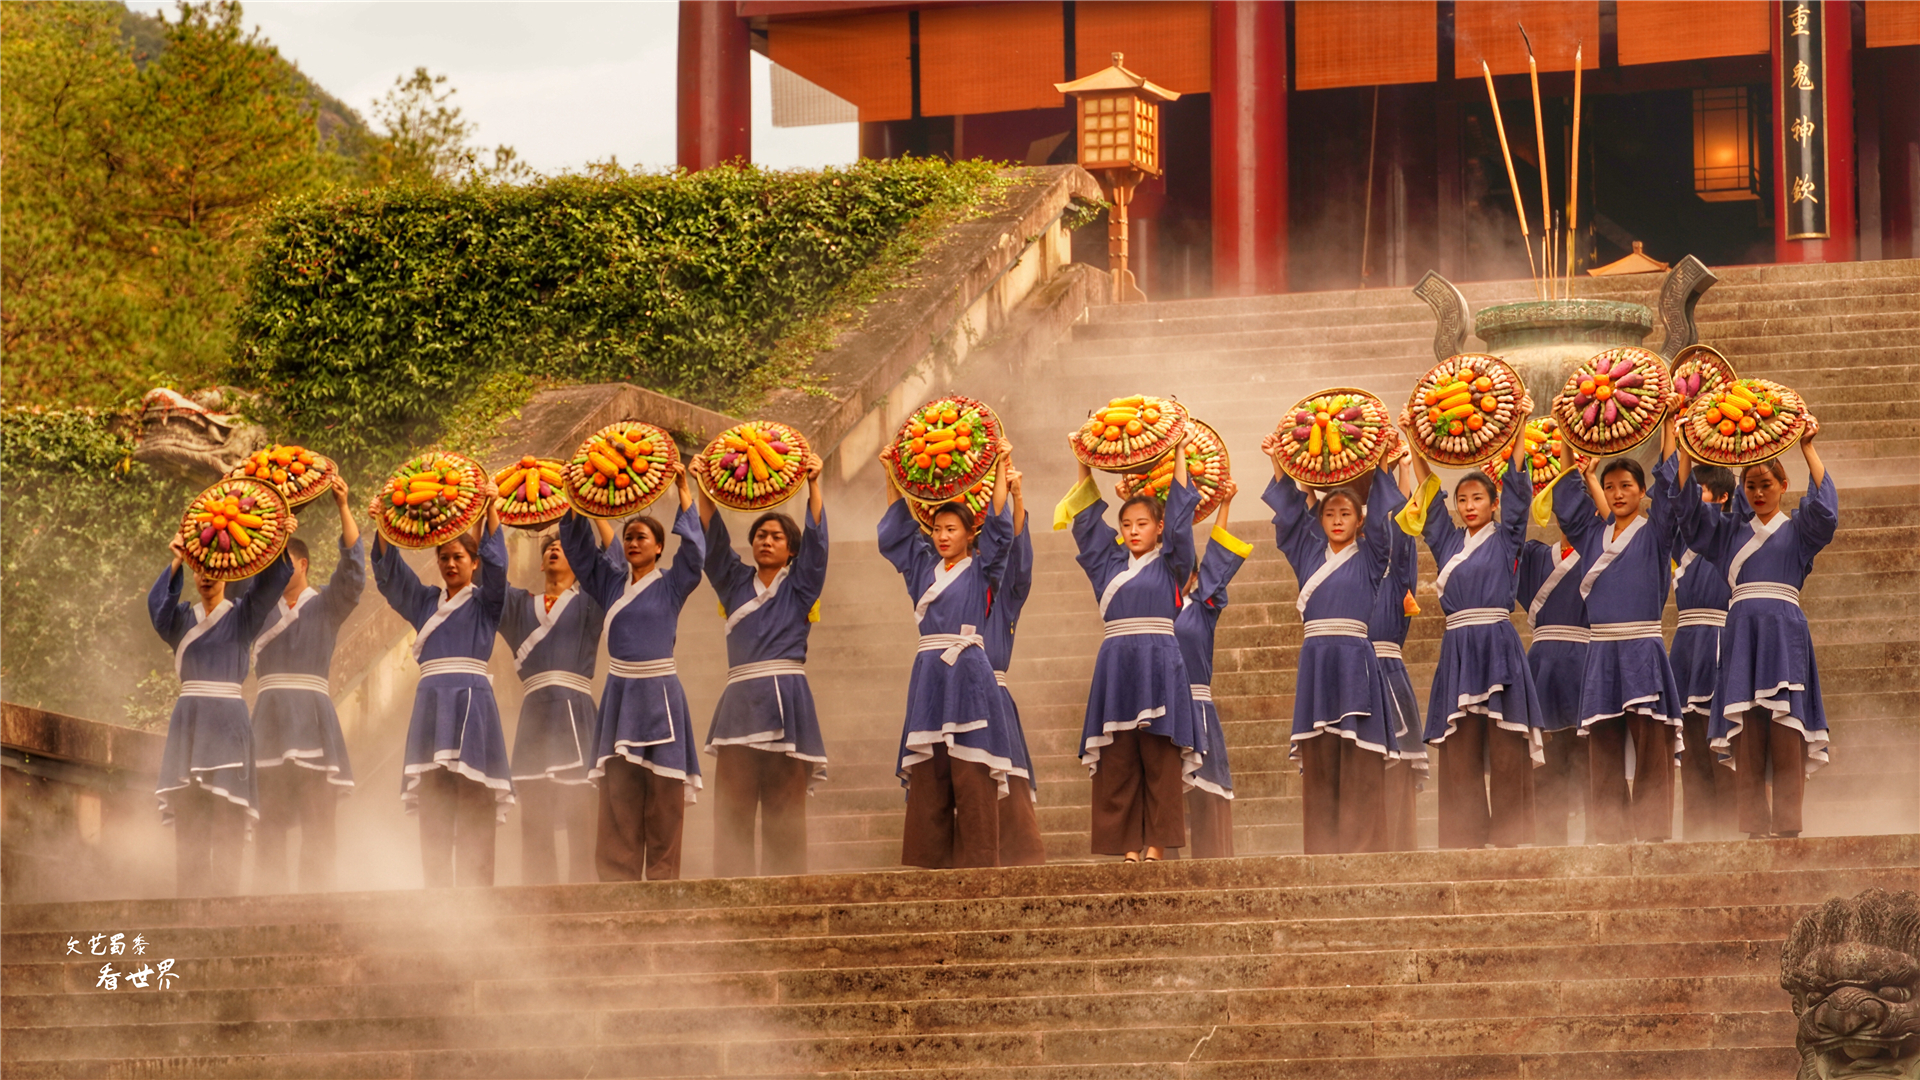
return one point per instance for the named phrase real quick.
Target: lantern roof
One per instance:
(1117, 77)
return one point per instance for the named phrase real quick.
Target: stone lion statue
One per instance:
(201, 438)
(1853, 968)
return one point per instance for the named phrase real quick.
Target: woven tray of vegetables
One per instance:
(946, 447)
(620, 469)
(299, 474)
(532, 493)
(1541, 453)
(235, 528)
(1467, 409)
(1614, 401)
(1745, 422)
(976, 498)
(1700, 368)
(1334, 435)
(753, 466)
(1129, 434)
(1208, 468)
(430, 499)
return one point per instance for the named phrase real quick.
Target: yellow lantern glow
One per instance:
(1723, 146)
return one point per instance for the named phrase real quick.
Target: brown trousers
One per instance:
(1707, 806)
(1020, 843)
(295, 797)
(1762, 748)
(1343, 796)
(746, 780)
(953, 814)
(1560, 788)
(456, 829)
(548, 807)
(1210, 817)
(1138, 800)
(642, 815)
(1486, 786)
(1617, 814)
(209, 833)
(1403, 827)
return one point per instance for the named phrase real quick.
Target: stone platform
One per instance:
(1631, 961)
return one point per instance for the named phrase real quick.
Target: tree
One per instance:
(427, 141)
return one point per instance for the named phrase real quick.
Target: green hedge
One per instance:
(371, 314)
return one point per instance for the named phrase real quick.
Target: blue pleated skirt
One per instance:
(1215, 775)
(456, 726)
(300, 727)
(1766, 661)
(1559, 671)
(646, 722)
(209, 743)
(1340, 691)
(555, 736)
(1483, 669)
(771, 713)
(960, 706)
(1139, 682)
(1695, 660)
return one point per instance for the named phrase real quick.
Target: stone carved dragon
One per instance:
(1853, 968)
(202, 437)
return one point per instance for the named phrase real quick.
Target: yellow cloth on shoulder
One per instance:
(1082, 495)
(1543, 499)
(1231, 542)
(1412, 517)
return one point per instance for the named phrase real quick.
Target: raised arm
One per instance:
(1296, 531)
(411, 598)
(1816, 469)
(342, 593)
(1225, 555)
(1818, 518)
(809, 577)
(683, 575)
(1176, 534)
(492, 578)
(903, 544)
(816, 495)
(1378, 530)
(1574, 508)
(254, 608)
(599, 578)
(163, 600)
(725, 568)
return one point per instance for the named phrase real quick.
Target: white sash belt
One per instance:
(1579, 635)
(1626, 631)
(1387, 650)
(570, 680)
(209, 688)
(1476, 616)
(1000, 677)
(950, 646)
(765, 669)
(1336, 628)
(1702, 616)
(455, 665)
(641, 669)
(1765, 590)
(315, 683)
(1130, 627)
(1201, 692)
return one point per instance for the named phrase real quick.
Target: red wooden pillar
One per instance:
(1819, 165)
(715, 102)
(1249, 147)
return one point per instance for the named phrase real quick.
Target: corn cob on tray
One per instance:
(532, 493)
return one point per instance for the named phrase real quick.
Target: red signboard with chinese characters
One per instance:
(1802, 124)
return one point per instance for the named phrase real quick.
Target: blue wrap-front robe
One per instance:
(1548, 587)
(1139, 679)
(1624, 583)
(1003, 618)
(1701, 593)
(767, 703)
(555, 651)
(294, 721)
(1483, 667)
(209, 741)
(952, 698)
(1766, 655)
(643, 709)
(1194, 628)
(1387, 627)
(1340, 689)
(456, 722)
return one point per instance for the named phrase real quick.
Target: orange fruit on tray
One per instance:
(233, 529)
(300, 474)
(1452, 395)
(1105, 441)
(430, 499)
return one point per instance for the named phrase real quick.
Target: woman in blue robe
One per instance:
(1482, 712)
(207, 790)
(1210, 788)
(643, 751)
(1387, 624)
(958, 744)
(765, 734)
(299, 752)
(456, 772)
(1547, 585)
(1629, 704)
(1343, 733)
(1020, 841)
(1768, 720)
(1701, 593)
(1138, 738)
(555, 638)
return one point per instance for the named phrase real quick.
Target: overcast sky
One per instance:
(563, 83)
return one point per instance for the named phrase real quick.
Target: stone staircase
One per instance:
(1658, 961)
(1847, 336)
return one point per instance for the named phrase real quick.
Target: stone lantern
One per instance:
(1118, 137)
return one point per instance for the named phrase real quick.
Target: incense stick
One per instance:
(1366, 227)
(1573, 181)
(1513, 183)
(1540, 147)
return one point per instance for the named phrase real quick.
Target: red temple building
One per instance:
(1320, 144)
